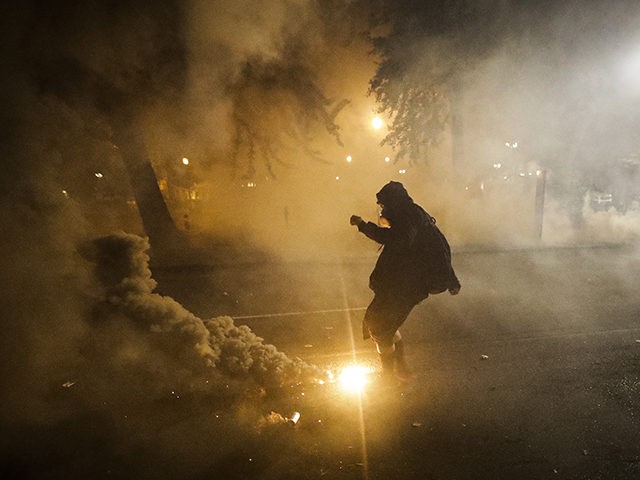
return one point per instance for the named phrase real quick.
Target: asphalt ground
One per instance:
(533, 371)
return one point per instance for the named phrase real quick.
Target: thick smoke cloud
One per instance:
(98, 370)
(531, 86)
(215, 344)
(544, 94)
(110, 339)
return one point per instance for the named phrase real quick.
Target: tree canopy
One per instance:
(557, 77)
(426, 48)
(277, 106)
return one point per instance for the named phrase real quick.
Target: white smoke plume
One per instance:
(213, 346)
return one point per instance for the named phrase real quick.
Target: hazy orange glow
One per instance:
(354, 378)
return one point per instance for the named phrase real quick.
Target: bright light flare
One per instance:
(354, 378)
(377, 123)
(628, 72)
(185, 161)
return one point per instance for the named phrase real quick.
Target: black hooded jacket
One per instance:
(403, 269)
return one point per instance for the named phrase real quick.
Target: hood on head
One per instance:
(393, 194)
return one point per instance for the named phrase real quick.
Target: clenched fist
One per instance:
(355, 220)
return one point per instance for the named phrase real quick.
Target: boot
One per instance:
(388, 365)
(400, 367)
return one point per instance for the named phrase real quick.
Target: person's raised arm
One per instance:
(376, 233)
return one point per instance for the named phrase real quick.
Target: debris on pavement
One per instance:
(293, 420)
(274, 418)
(484, 357)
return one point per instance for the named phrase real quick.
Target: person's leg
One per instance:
(376, 326)
(382, 320)
(392, 357)
(400, 366)
(386, 352)
(385, 342)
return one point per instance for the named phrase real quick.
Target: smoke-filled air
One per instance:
(179, 276)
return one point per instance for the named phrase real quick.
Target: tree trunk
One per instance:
(156, 218)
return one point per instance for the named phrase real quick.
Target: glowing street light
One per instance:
(185, 161)
(377, 123)
(349, 158)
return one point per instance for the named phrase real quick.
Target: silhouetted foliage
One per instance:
(427, 47)
(277, 108)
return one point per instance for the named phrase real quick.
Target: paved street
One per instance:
(533, 371)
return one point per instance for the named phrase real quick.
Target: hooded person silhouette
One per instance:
(402, 277)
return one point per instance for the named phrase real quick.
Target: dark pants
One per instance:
(383, 318)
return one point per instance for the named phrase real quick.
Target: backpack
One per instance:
(433, 258)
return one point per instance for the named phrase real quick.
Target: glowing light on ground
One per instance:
(185, 161)
(354, 378)
(377, 123)
(362, 382)
(349, 158)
